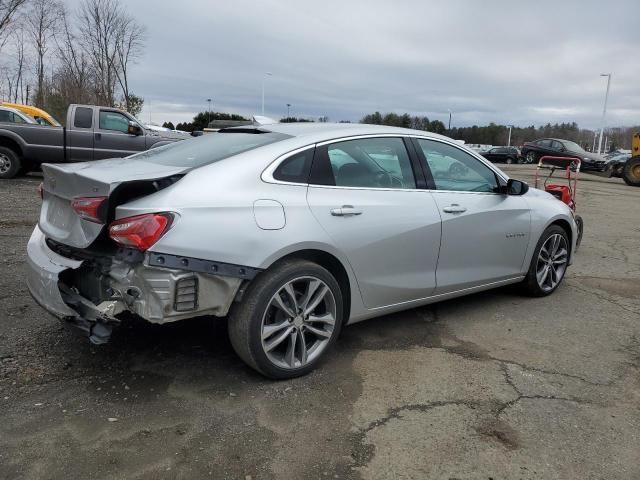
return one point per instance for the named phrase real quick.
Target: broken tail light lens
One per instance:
(141, 231)
(90, 208)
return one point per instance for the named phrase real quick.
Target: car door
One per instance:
(111, 137)
(79, 141)
(485, 234)
(363, 193)
(493, 155)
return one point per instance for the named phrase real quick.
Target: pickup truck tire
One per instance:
(10, 163)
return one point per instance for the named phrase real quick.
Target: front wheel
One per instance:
(530, 157)
(631, 172)
(549, 262)
(288, 319)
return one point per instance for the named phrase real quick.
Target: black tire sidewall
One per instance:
(531, 282)
(257, 301)
(626, 172)
(14, 169)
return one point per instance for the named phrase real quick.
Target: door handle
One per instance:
(98, 136)
(454, 208)
(346, 211)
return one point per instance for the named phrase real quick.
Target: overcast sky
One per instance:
(512, 61)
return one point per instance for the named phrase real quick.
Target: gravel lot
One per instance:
(490, 386)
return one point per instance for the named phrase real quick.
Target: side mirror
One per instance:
(515, 187)
(134, 129)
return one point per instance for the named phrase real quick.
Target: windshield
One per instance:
(207, 149)
(573, 147)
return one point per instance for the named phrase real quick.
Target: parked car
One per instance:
(12, 115)
(615, 164)
(506, 155)
(532, 151)
(290, 231)
(91, 133)
(39, 115)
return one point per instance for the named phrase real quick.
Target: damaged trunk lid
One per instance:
(63, 183)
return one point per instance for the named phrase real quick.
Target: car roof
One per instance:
(317, 132)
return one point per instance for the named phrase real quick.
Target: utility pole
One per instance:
(604, 110)
(449, 119)
(288, 107)
(509, 140)
(209, 112)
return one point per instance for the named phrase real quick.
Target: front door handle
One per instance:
(454, 208)
(98, 136)
(346, 211)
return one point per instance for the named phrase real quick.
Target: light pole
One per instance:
(449, 119)
(604, 110)
(266, 74)
(209, 112)
(288, 107)
(509, 140)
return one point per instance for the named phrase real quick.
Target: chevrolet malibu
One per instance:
(290, 232)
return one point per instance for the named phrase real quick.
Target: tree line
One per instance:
(494, 134)
(51, 56)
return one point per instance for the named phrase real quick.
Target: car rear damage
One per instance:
(88, 268)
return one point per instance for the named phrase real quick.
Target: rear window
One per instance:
(83, 117)
(207, 149)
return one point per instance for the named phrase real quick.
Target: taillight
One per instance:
(90, 208)
(141, 231)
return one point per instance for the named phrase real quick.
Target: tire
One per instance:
(262, 333)
(10, 164)
(532, 285)
(580, 225)
(509, 161)
(631, 172)
(531, 157)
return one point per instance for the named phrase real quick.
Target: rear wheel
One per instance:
(509, 161)
(288, 319)
(549, 262)
(9, 163)
(631, 172)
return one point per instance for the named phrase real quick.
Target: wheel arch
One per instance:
(332, 264)
(12, 144)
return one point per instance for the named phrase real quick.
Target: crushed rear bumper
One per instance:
(156, 294)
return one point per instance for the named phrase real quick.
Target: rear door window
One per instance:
(83, 117)
(368, 163)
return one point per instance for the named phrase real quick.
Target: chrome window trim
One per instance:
(267, 173)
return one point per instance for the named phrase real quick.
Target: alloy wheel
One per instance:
(552, 262)
(531, 157)
(5, 163)
(298, 322)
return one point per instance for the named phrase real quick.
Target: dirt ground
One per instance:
(494, 385)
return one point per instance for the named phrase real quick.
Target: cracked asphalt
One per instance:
(491, 386)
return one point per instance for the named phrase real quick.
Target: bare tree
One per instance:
(129, 46)
(100, 27)
(8, 9)
(43, 22)
(73, 76)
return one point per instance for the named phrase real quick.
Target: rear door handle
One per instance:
(454, 208)
(346, 211)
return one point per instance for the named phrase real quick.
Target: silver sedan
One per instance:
(290, 231)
